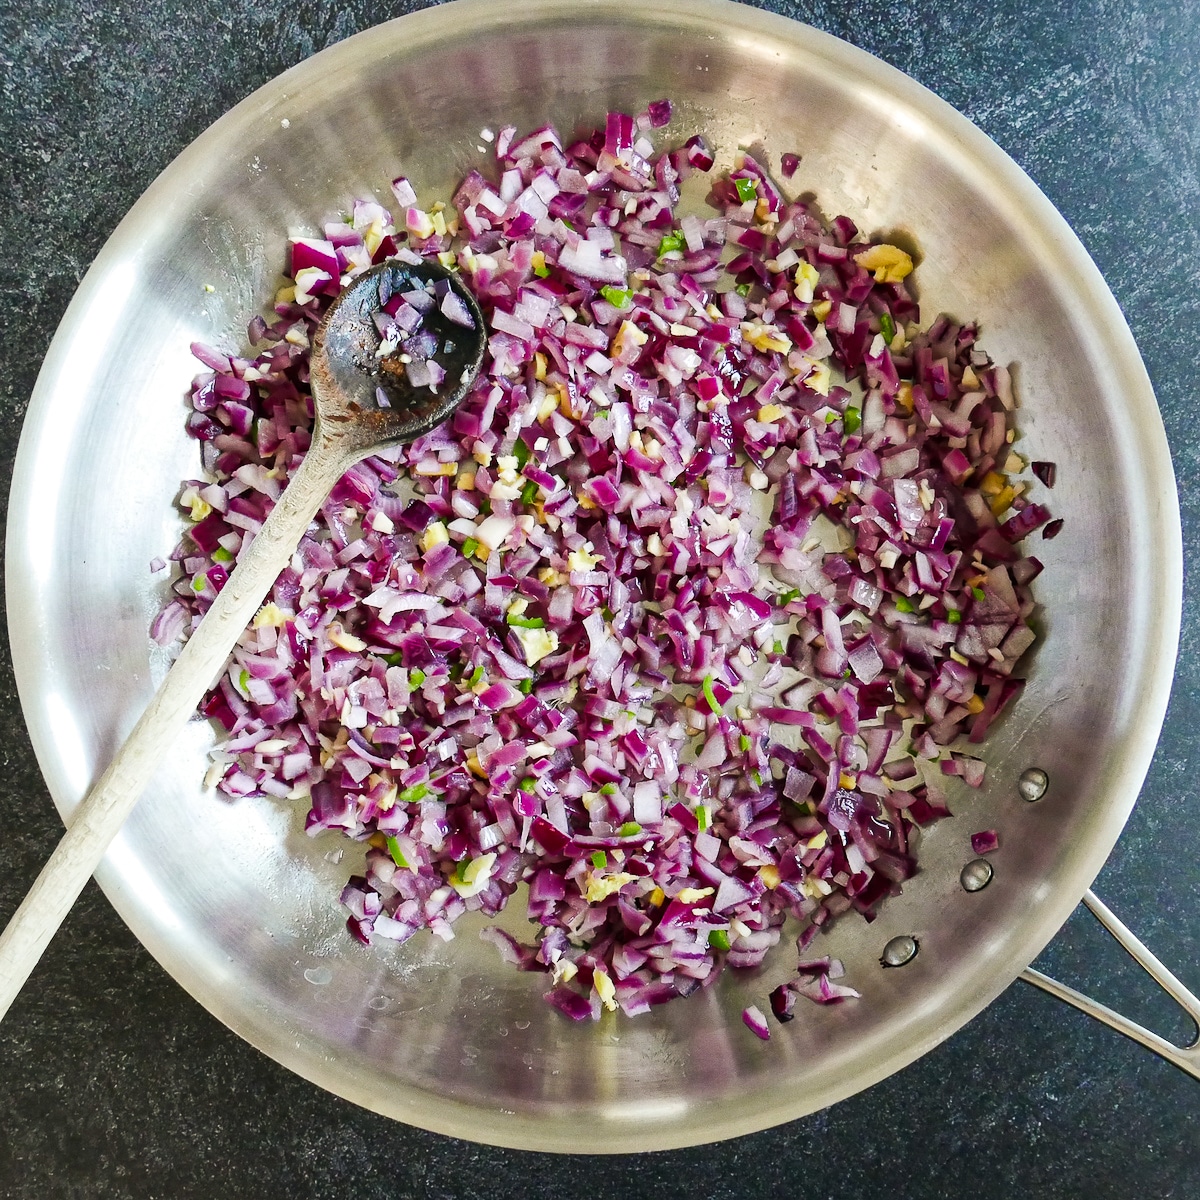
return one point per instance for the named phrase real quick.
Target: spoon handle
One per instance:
(104, 810)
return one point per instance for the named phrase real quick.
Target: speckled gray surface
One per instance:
(113, 1082)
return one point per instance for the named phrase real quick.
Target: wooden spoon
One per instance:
(362, 403)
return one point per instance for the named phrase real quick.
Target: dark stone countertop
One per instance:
(113, 1082)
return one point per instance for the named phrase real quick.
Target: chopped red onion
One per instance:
(1045, 471)
(756, 1022)
(666, 621)
(985, 841)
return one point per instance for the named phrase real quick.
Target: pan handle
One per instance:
(1185, 1057)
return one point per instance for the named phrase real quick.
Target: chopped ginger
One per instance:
(627, 336)
(605, 989)
(766, 337)
(270, 614)
(434, 535)
(890, 263)
(582, 559)
(807, 277)
(347, 641)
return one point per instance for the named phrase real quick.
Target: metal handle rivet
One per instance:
(976, 875)
(900, 950)
(1033, 784)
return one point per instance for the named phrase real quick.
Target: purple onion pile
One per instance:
(677, 621)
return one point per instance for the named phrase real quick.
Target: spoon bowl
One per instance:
(371, 395)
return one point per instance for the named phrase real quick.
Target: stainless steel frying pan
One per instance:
(241, 908)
